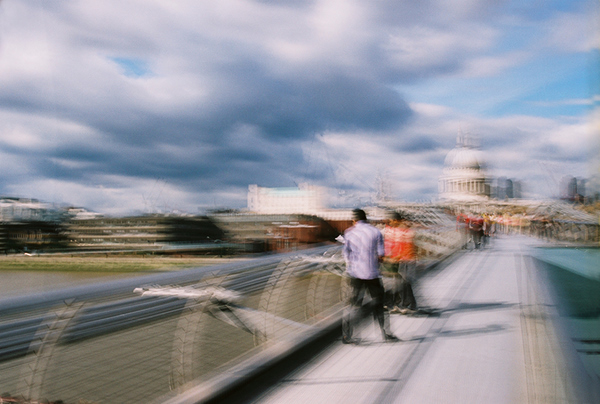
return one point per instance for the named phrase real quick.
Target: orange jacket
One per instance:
(399, 243)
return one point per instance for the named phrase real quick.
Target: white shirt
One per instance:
(363, 245)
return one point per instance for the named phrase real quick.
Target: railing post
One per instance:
(183, 344)
(42, 348)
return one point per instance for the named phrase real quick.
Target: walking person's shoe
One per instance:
(390, 338)
(351, 341)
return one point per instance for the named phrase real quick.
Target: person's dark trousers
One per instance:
(392, 287)
(406, 298)
(476, 238)
(357, 293)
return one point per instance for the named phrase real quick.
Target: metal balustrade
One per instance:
(437, 243)
(566, 230)
(144, 339)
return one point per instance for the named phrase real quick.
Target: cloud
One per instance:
(572, 32)
(101, 100)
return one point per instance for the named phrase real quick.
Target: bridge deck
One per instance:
(490, 340)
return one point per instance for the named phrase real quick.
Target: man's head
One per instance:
(394, 219)
(397, 216)
(399, 219)
(358, 214)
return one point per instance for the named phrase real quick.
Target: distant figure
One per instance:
(462, 224)
(487, 230)
(476, 230)
(401, 258)
(363, 251)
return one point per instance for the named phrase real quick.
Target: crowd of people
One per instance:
(475, 230)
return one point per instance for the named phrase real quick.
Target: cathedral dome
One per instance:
(464, 157)
(464, 176)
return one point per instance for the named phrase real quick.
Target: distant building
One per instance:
(82, 213)
(306, 199)
(507, 188)
(31, 236)
(510, 189)
(30, 225)
(517, 189)
(270, 232)
(24, 209)
(140, 232)
(572, 189)
(464, 178)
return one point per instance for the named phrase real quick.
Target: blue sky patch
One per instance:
(132, 67)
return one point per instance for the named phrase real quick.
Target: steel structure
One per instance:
(146, 338)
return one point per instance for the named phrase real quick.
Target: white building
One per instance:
(15, 209)
(306, 199)
(464, 178)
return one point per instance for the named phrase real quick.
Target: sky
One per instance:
(132, 107)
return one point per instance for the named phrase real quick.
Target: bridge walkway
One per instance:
(489, 339)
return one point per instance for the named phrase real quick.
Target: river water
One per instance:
(16, 283)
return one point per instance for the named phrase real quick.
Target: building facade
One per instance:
(25, 209)
(306, 199)
(464, 178)
(140, 232)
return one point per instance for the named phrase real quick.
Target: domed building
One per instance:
(464, 178)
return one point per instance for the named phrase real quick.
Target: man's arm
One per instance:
(346, 247)
(380, 247)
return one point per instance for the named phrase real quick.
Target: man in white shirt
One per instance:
(363, 251)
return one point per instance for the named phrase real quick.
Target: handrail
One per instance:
(104, 342)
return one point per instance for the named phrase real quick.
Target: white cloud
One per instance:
(488, 66)
(111, 194)
(578, 101)
(239, 91)
(431, 110)
(574, 31)
(426, 47)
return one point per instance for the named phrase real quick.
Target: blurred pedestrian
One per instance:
(401, 257)
(487, 230)
(363, 251)
(462, 224)
(476, 230)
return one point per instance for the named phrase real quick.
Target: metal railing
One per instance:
(565, 230)
(437, 243)
(150, 338)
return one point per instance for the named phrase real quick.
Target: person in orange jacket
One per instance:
(400, 258)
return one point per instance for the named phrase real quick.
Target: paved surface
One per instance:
(489, 340)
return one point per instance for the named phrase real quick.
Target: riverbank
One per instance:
(107, 264)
